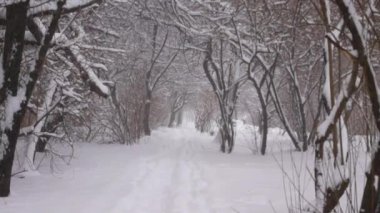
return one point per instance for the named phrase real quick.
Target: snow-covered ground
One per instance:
(174, 170)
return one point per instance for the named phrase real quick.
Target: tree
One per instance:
(177, 102)
(15, 92)
(224, 78)
(358, 50)
(205, 110)
(11, 66)
(154, 73)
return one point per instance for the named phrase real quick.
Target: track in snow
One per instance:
(169, 181)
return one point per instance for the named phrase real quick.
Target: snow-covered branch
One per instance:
(38, 8)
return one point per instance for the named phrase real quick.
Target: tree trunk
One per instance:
(180, 117)
(12, 57)
(50, 126)
(13, 49)
(228, 135)
(147, 106)
(369, 201)
(280, 113)
(302, 131)
(30, 152)
(172, 119)
(264, 132)
(223, 140)
(42, 115)
(264, 118)
(226, 97)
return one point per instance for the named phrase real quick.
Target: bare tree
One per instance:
(224, 77)
(177, 102)
(155, 72)
(358, 50)
(16, 93)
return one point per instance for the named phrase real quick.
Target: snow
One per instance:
(42, 111)
(12, 105)
(92, 47)
(71, 93)
(99, 66)
(4, 3)
(90, 72)
(174, 170)
(354, 16)
(41, 6)
(323, 127)
(326, 83)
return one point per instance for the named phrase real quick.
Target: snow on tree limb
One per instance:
(40, 8)
(108, 49)
(105, 30)
(88, 73)
(79, 61)
(326, 127)
(359, 43)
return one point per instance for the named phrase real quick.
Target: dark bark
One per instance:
(148, 76)
(263, 116)
(321, 139)
(369, 201)
(333, 195)
(50, 126)
(49, 11)
(230, 136)
(15, 32)
(223, 141)
(35, 30)
(227, 136)
(226, 97)
(264, 132)
(147, 107)
(302, 132)
(370, 196)
(12, 57)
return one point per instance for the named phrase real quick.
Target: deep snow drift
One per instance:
(174, 170)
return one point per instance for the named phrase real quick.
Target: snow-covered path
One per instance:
(168, 181)
(175, 170)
